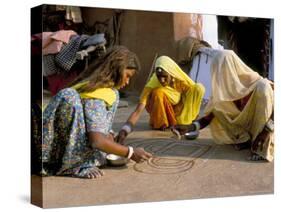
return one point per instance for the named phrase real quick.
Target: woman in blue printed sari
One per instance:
(77, 123)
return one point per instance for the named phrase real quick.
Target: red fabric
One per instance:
(57, 82)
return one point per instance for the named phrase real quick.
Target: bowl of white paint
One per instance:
(116, 160)
(191, 135)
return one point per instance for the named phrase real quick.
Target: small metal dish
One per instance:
(191, 135)
(115, 160)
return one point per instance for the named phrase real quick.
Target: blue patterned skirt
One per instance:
(65, 147)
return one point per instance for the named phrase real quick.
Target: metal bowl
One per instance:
(191, 135)
(115, 160)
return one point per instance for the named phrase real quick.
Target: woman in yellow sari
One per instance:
(241, 108)
(170, 97)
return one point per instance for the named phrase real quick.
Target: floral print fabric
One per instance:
(66, 121)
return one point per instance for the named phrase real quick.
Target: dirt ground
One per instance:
(185, 169)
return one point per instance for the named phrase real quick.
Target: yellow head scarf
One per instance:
(167, 64)
(106, 94)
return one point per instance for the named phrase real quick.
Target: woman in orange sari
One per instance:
(170, 97)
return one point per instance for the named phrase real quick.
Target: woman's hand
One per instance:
(140, 155)
(120, 138)
(111, 136)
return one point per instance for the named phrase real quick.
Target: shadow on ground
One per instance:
(186, 169)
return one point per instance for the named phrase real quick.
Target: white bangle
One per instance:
(127, 128)
(112, 132)
(131, 152)
(197, 125)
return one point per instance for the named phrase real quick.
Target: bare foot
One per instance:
(255, 157)
(89, 173)
(260, 139)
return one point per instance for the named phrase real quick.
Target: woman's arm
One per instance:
(132, 120)
(134, 117)
(202, 123)
(106, 144)
(206, 120)
(97, 124)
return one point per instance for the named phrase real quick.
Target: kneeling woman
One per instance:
(241, 109)
(78, 120)
(170, 97)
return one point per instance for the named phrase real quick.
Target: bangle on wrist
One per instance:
(197, 125)
(112, 132)
(127, 128)
(126, 134)
(130, 152)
